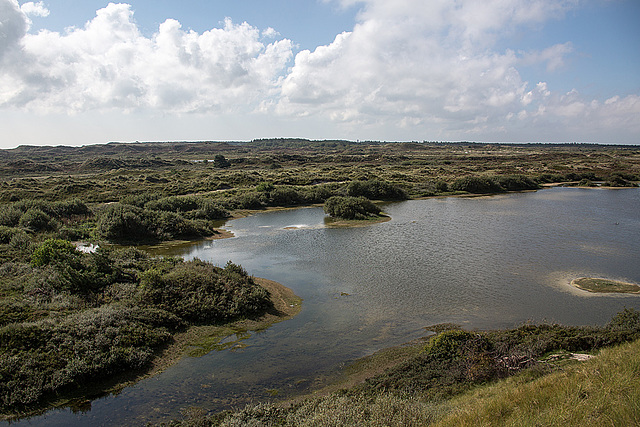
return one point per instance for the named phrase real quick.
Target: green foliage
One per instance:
(476, 184)
(35, 220)
(376, 189)
(265, 187)
(620, 180)
(104, 313)
(125, 223)
(516, 183)
(10, 215)
(626, 320)
(351, 207)
(447, 344)
(41, 358)
(199, 292)
(219, 161)
(128, 223)
(52, 250)
(7, 233)
(454, 360)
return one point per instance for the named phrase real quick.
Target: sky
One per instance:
(78, 72)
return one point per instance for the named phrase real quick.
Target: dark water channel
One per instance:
(487, 262)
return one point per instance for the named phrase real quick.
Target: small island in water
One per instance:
(599, 285)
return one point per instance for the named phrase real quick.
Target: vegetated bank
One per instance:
(529, 375)
(74, 324)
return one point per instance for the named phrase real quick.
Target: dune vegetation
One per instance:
(530, 375)
(68, 317)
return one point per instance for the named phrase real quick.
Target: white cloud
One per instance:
(110, 64)
(434, 66)
(13, 25)
(554, 56)
(35, 9)
(409, 69)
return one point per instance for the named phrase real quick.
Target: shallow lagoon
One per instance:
(484, 262)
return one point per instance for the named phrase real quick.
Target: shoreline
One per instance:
(605, 286)
(286, 305)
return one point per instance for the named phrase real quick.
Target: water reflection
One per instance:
(481, 262)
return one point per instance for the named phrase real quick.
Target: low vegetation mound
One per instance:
(69, 318)
(351, 207)
(493, 184)
(598, 285)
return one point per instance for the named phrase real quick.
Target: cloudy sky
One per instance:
(76, 72)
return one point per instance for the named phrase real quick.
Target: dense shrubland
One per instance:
(68, 318)
(351, 207)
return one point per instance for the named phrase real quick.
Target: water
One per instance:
(487, 262)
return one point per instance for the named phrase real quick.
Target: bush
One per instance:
(476, 185)
(7, 233)
(199, 292)
(516, 183)
(35, 219)
(10, 215)
(448, 344)
(376, 189)
(626, 320)
(351, 207)
(53, 251)
(125, 223)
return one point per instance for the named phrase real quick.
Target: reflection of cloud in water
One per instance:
(303, 226)
(601, 249)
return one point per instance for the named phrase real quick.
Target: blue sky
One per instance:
(81, 72)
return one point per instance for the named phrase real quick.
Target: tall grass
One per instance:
(602, 391)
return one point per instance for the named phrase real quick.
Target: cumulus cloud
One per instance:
(35, 9)
(110, 64)
(13, 25)
(435, 66)
(414, 68)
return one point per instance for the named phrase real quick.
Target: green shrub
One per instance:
(174, 204)
(516, 183)
(351, 207)
(10, 215)
(35, 219)
(125, 223)
(265, 187)
(251, 200)
(626, 320)
(7, 233)
(53, 250)
(199, 292)
(69, 208)
(448, 344)
(376, 189)
(476, 185)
